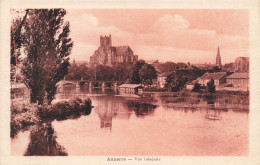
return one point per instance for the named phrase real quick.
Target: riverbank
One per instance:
(27, 114)
(219, 92)
(203, 94)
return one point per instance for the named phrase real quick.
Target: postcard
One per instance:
(127, 82)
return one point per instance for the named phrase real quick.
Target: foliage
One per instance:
(216, 69)
(78, 72)
(169, 67)
(43, 141)
(175, 81)
(134, 74)
(47, 47)
(23, 116)
(196, 87)
(121, 72)
(73, 108)
(147, 74)
(104, 73)
(170, 80)
(17, 36)
(29, 114)
(228, 66)
(211, 86)
(191, 74)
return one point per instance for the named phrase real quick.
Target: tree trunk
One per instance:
(37, 96)
(33, 96)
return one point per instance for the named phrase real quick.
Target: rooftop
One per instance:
(214, 76)
(239, 76)
(122, 49)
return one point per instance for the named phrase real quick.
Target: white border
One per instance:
(253, 6)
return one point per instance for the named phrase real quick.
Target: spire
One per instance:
(218, 59)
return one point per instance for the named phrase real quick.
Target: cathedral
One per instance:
(110, 55)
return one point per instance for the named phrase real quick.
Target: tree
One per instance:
(147, 74)
(78, 72)
(104, 73)
(47, 49)
(17, 38)
(73, 72)
(211, 86)
(228, 66)
(216, 69)
(167, 67)
(134, 74)
(87, 72)
(121, 72)
(196, 87)
(170, 79)
(175, 81)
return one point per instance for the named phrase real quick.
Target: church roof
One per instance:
(123, 49)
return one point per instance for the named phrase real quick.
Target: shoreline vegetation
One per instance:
(29, 114)
(201, 93)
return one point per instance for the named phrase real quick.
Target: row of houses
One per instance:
(224, 81)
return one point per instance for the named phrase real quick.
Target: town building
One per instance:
(242, 64)
(161, 80)
(218, 59)
(131, 88)
(218, 77)
(190, 85)
(239, 80)
(110, 55)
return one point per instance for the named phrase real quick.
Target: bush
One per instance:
(196, 87)
(23, 116)
(68, 109)
(211, 86)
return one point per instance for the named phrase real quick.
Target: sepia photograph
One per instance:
(129, 85)
(129, 82)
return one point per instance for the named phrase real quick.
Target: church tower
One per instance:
(106, 41)
(218, 59)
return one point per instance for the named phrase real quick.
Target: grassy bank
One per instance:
(63, 110)
(24, 115)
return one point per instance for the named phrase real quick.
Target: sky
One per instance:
(164, 34)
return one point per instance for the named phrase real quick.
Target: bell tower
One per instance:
(106, 41)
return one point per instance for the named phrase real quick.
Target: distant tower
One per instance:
(106, 41)
(218, 59)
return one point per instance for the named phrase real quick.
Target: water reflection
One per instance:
(225, 103)
(43, 142)
(122, 108)
(141, 109)
(185, 122)
(106, 112)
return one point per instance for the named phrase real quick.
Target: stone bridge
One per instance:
(94, 83)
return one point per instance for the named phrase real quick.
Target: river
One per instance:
(152, 124)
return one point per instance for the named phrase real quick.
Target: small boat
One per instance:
(213, 117)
